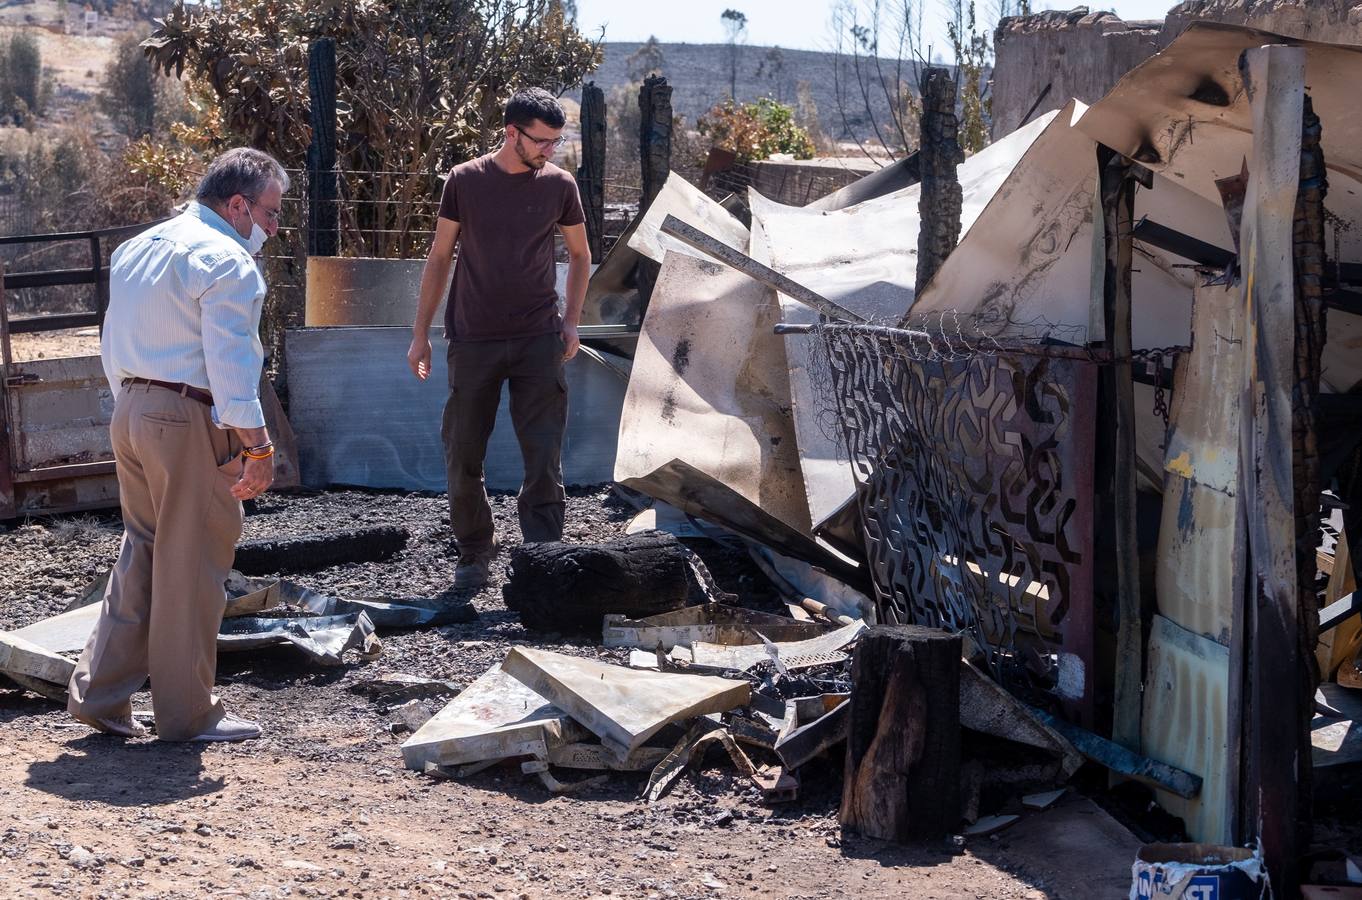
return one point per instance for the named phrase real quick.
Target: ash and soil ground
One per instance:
(321, 805)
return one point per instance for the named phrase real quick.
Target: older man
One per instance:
(183, 358)
(503, 323)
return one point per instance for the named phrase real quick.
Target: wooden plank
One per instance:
(1272, 702)
(755, 270)
(1117, 188)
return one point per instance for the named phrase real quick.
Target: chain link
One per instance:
(1155, 360)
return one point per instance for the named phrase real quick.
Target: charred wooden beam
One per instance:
(940, 202)
(1273, 708)
(323, 210)
(591, 173)
(1117, 192)
(308, 552)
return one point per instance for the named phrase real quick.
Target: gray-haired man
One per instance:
(183, 357)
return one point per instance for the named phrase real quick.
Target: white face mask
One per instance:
(256, 241)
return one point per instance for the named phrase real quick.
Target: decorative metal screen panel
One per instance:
(976, 488)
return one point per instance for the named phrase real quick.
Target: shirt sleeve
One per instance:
(449, 200)
(572, 204)
(231, 345)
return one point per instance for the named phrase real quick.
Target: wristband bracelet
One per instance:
(264, 451)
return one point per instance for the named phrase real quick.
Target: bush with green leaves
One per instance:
(755, 131)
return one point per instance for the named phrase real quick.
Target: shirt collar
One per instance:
(213, 220)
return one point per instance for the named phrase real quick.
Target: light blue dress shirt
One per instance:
(184, 306)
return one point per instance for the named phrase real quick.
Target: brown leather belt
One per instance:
(184, 390)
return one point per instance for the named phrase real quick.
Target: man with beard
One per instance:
(503, 323)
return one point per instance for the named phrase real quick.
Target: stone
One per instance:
(622, 706)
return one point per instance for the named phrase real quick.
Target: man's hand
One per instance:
(256, 477)
(571, 342)
(418, 356)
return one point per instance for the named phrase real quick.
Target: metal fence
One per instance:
(975, 475)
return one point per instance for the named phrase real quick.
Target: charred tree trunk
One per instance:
(655, 157)
(940, 202)
(591, 174)
(569, 587)
(903, 744)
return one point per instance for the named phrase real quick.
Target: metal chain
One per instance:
(1154, 360)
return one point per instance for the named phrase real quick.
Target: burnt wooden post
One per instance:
(323, 216)
(903, 742)
(940, 201)
(1116, 180)
(1308, 257)
(654, 137)
(655, 157)
(1274, 708)
(591, 173)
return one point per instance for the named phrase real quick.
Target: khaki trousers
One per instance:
(533, 369)
(165, 598)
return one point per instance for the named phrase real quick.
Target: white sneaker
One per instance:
(230, 728)
(119, 726)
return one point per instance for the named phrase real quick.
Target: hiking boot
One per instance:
(118, 726)
(472, 570)
(230, 728)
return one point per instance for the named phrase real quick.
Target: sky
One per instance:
(794, 24)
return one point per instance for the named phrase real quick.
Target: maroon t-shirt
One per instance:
(504, 273)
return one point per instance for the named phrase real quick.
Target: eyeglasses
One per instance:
(541, 143)
(271, 214)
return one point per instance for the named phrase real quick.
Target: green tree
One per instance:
(735, 31)
(23, 89)
(973, 53)
(420, 86)
(755, 131)
(129, 91)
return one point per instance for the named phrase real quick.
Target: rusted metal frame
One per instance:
(59, 473)
(1271, 705)
(101, 281)
(1117, 182)
(736, 259)
(79, 235)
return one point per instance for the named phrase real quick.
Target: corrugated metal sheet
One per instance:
(361, 417)
(1186, 707)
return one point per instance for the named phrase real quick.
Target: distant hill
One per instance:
(699, 76)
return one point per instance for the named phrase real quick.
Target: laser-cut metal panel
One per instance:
(978, 512)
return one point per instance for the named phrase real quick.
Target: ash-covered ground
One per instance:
(321, 805)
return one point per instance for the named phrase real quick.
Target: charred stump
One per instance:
(903, 743)
(570, 587)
